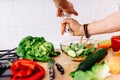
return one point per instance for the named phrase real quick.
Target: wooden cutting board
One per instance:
(70, 65)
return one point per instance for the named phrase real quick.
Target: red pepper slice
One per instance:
(115, 42)
(27, 70)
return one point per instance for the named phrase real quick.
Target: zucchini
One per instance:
(89, 61)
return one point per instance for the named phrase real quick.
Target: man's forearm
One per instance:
(107, 25)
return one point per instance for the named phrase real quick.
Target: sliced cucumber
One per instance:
(79, 52)
(76, 50)
(71, 53)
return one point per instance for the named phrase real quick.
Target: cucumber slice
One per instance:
(79, 52)
(71, 53)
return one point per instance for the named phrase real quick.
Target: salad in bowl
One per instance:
(78, 51)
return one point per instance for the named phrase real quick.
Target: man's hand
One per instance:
(74, 25)
(64, 6)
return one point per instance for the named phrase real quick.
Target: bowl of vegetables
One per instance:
(78, 51)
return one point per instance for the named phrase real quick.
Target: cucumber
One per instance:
(89, 61)
(71, 53)
(79, 51)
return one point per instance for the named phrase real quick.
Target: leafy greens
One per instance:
(97, 72)
(36, 48)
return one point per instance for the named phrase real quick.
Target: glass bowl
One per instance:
(64, 46)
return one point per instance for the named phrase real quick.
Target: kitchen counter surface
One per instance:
(70, 65)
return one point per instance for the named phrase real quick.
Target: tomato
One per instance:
(115, 42)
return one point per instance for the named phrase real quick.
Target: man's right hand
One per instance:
(74, 25)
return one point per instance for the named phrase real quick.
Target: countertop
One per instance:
(70, 65)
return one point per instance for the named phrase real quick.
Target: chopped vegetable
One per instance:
(26, 70)
(97, 72)
(77, 50)
(71, 53)
(115, 41)
(36, 48)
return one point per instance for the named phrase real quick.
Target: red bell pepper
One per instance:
(27, 70)
(115, 42)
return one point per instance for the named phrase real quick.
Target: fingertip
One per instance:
(76, 14)
(62, 33)
(57, 15)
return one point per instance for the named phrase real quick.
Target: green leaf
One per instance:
(36, 48)
(53, 54)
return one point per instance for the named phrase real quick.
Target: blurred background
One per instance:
(20, 18)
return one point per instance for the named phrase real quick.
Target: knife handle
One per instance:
(60, 68)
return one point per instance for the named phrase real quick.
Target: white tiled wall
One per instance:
(20, 18)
